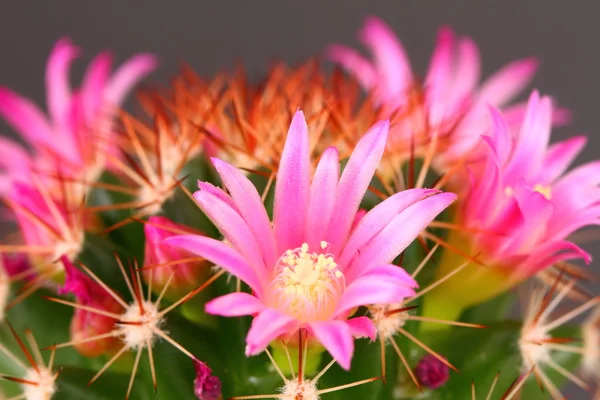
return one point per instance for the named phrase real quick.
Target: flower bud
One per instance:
(431, 372)
(187, 274)
(206, 385)
(86, 324)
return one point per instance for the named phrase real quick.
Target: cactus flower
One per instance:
(519, 210)
(310, 269)
(73, 140)
(451, 100)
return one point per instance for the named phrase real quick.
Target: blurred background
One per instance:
(212, 36)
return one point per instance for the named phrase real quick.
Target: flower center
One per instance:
(307, 285)
(544, 190)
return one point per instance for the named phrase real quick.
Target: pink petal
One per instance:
(438, 75)
(58, 88)
(292, 187)
(501, 141)
(223, 256)
(390, 57)
(92, 90)
(384, 285)
(358, 217)
(585, 175)
(468, 69)
(362, 327)
(250, 207)
(507, 83)
(15, 159)
(27, 120)
(127, 76)
(551, 253)
(560, 156)
(336, 337)
(532, 141)
(390, 272)
(234, 305)
(232, 226)
(354, 182)
(400, 232)
(376, 219)
(354, 63)
(537, 211)
(322, 197)
(266, 327)
(217, 192)
(515, 114)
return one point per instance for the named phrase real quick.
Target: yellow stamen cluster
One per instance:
(307, 285)
(544, 190)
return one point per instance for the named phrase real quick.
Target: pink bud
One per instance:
(206, 385)
(431, 372)
(187, 274)
(86, 324)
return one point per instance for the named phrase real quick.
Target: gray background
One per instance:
(212, 35)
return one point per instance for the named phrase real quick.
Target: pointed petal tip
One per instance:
(298, 122)
(530, 64)
(380, 130)
(445, 33)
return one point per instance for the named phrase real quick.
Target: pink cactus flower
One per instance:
(519, 210)
(525, 196)
(86, 324)
(309, 269)
(451, 101)
(74, 139)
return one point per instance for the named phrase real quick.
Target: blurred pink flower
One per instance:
(310, 269)
(525, 198)
(73, 140)
(518, 211)
(451, 101)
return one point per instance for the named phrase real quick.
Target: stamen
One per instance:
(307, 285)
